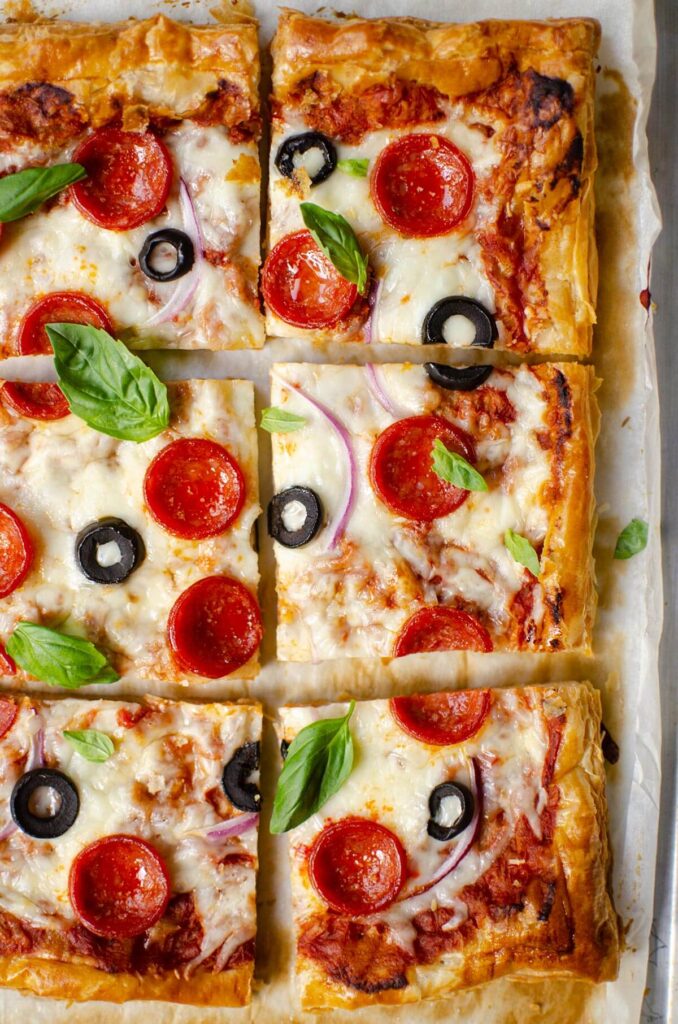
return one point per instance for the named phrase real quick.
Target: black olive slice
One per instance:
(284, 160)
(183, 249)
(443, 833)
(457, 378)
(311, 524)
(243, 793)
(459, 305)
(63, 796)
(109, 531)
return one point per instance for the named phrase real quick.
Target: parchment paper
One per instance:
(627, 485)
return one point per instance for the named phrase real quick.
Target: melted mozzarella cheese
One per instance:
(412, 273)
(60, 476)
(154, 786)
(61, 250)
(355, 605)
(392, 779)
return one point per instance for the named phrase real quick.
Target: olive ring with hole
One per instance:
(284, 160)
(126, 550)
(457, 378)
(443, 833)
(294, 516)
(183, 251)
(57, 820)
(238, 786)
(459, 305)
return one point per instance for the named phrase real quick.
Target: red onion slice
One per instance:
(376, 389)
(187, 285)
(9, 830)
(464, 842)
(35, 759)
(372, 298)
(338, 523)
(235, 827)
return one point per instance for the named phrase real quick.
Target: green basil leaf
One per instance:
(106, 385)
(455, 469)
(337, 239)
(278, 421)
(91, 744)
(632, 539)
(358, 168)
(25, 191)
(522, 551)
(318, 763)
(58, 659)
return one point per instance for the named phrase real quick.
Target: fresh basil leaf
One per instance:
(91, 744)
(455, 469)
(337, 239)
(278, 421)
(106, 385)
(632, 539)
(318, 763)
(358, 168)
(523, 552)
(25, 191)
(58, 659)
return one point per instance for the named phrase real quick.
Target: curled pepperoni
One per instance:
(358, 866)
(422, 185)
(16, 551)
(442, 718)
(194, 488)
(129, 175)
(402, 473)
(302, 287)
(441, 629)
(58, 308)
(8, 712)
(36, 401)
(214, 627)
(119, 886)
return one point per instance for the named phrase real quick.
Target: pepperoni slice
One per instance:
(441, 629)
(16, 551)
(442, 718)
(302, 287)
(37, 401)
(58, 308)
(358, 866)
(422, 185)
(401, 471)
(194, 488)
(129, 175)
(119, 886)
(8, 713)
(214, 627)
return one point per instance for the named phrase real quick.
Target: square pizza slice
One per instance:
(424, 508)
(159, 242)
(460, 160)
(142, 549)
(468, 841)
(128, 849)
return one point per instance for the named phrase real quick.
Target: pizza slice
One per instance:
(139, 550)
(128, 848)
(433, 183)
(158, 242)
(428, 508)
(464, 840)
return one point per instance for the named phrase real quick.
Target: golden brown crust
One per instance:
(140, 71)
(512, 944)
(567, 556)
(530, 85)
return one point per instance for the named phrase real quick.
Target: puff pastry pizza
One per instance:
(143, 549)
(160, 240)
(413, 515)
(459, 159)
(468, 842)
(128, 849)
